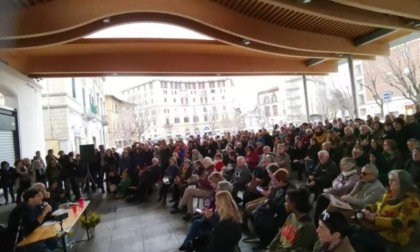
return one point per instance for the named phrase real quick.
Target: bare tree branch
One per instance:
(372, 85)
(403, 64)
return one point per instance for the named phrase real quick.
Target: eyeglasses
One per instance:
(325, 215)
(366, 173)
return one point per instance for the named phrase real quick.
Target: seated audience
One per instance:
(227, 232)
(203, 190)
(181, 181)
(241, 177)
(204, 222)
(393, 157)
(413, 166)
(323, 174)
(271, 215)
(333, 233)
(298, 231)
(359, 157)
(252, 205)
(367, 191)
(260, 177)
(168, 179)
(391, 220)
(341, 185)
(147, 177)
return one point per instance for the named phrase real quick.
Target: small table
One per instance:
(47, 232)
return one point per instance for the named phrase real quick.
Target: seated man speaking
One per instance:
(29, 217)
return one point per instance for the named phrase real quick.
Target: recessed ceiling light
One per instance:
(246, 42)
(106, 20)
(304, 1)
(114, 74)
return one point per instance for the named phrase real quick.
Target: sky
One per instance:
(246, 98)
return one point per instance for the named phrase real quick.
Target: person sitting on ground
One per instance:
(29, 218)
(205, 220)
(113, 181)
(342, 185)
(391, 220)
(124, 185)
(298, 231)
(333, 233)
(366, 191)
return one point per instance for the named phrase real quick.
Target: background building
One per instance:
(121, 124)
(180, 109)
(392, 83)
(73, 111)
(21, 128)
(293, 101)
(270, 108)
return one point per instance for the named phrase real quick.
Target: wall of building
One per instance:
(380, 69)
(120, 118)
(24, 95)
(163, 103)
(73, 109)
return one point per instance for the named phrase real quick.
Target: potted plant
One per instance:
(89, 222)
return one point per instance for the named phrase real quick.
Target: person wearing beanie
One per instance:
(332, 233)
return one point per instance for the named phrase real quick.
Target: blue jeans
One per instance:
(199, 227)
(368, 241)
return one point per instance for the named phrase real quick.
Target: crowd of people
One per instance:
(259, 184)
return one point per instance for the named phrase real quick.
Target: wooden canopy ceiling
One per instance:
(45, 37)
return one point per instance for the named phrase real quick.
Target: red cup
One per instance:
(74, 208)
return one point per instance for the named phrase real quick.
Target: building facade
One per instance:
(390, 76)
(121, 125)
(293, 103)
(74, 110)
(179, 109)
(21, 128)
(270, 108)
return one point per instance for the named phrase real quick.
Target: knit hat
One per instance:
(335, 222)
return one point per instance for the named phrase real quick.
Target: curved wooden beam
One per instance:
(342, 13)
(162, 63)
(80, 32)
(406, 8)
(49, 19)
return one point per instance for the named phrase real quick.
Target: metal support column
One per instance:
(305, 90)
(353, 85)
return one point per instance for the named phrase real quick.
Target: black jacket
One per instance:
(7, 177)
(325, 174)
(226, 236)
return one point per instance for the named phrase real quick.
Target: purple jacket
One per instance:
(344, 183)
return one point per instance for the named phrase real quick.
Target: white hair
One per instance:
(324, 152)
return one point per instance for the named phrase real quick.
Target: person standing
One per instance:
(7, 180)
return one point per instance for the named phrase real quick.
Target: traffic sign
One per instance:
(387, 96)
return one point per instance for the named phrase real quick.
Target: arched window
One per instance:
(274, 98)
(275, 112)
(266, 100)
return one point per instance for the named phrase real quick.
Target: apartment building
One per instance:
(121, 118)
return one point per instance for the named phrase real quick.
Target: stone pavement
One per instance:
(125, 227)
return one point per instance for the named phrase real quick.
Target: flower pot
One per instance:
(91, 232)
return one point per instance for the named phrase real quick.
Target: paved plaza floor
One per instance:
(127, 227)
